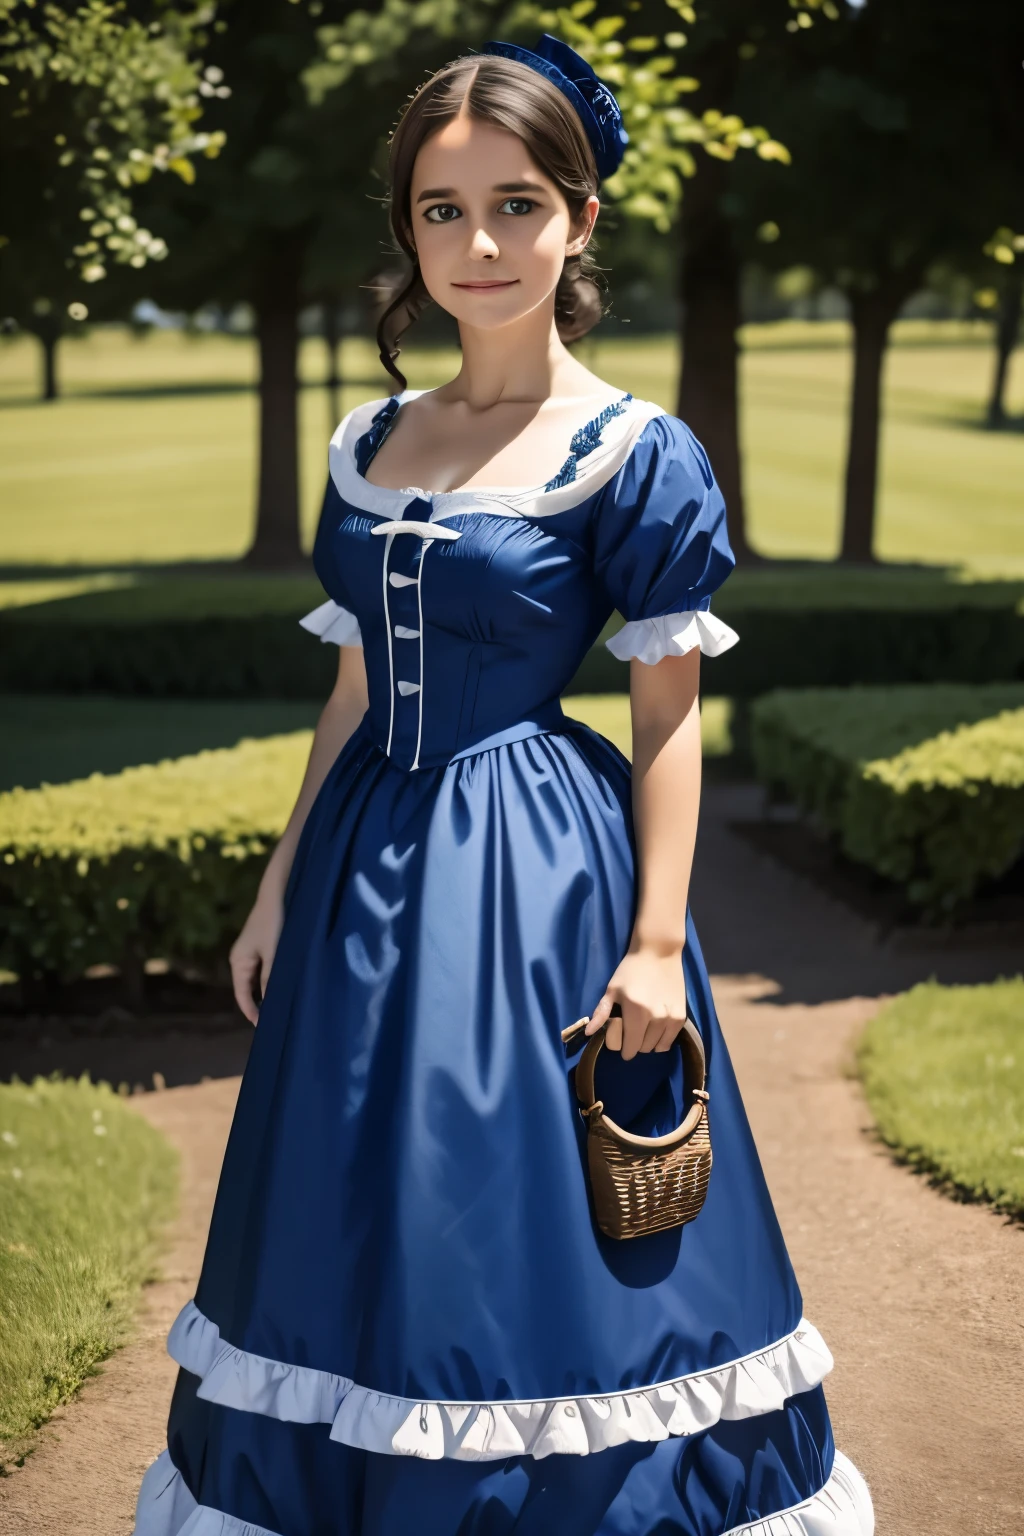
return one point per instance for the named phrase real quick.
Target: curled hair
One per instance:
(511, 96)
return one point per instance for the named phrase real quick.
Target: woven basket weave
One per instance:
(643, 1184)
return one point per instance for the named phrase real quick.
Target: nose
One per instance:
(483, 246)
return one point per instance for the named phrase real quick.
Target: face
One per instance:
(491, 230)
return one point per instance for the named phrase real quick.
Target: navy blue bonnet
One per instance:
(590, 98)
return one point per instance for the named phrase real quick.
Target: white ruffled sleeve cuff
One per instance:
(672, 634)
(334, 624)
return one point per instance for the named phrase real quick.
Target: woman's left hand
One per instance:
(649, 988)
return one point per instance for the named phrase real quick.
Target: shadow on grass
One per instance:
(53, 738)
(176, 391)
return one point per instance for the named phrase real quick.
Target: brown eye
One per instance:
(517, 206)
(443, 213)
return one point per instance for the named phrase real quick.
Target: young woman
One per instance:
(409, 1322)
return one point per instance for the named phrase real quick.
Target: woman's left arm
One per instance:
(648, 983)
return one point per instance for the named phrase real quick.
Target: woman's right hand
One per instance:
(252, 953)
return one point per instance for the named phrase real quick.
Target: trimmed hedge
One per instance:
(923, 785)
(162, 860)
(943, 1071)
(238, 637)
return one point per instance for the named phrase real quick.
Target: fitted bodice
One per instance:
(476, 607)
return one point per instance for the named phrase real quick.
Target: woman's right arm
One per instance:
(252, 953)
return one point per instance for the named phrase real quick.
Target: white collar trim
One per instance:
(618, 440)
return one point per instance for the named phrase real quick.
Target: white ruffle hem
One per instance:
(672, 634)
(842, 1508)
(491, 1431)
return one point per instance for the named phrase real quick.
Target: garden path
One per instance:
(920, 1298)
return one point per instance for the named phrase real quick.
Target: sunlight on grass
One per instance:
(150, 456)
(85, 1185)
(943, 1069)
(608, 713)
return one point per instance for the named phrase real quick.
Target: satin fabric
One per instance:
(291, 1480)
(404, 1199)
(404, 1193)
(475, 616)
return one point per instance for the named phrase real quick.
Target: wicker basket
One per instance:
(643, 1184)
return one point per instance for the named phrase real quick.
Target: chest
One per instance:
(448, 449)
(477, 574)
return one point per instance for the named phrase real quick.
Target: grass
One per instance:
(943, 1070)
(85, 1187)
(150, 457)
(53, 739)
(608, 713)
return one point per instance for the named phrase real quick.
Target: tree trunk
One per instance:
(1007, 333)
(873, 314)
(278, 541)
(332, 341)
(709, 385)
(49, 336)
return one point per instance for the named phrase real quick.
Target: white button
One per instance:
(401, 581)
(406, 688)
(403, 632)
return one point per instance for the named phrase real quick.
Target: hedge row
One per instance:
(269, 656)
(162, 860)
(943, 1071)
(923, 785)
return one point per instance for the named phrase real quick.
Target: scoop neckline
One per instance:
(503, 492)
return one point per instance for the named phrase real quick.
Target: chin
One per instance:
(492, 312)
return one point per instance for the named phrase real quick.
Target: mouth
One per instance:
(488, 285)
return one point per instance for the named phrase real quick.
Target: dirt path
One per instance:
(83, 1476)
(920, 1299)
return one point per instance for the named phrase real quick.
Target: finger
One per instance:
(635, 1019)
(600, 1015)
(669, 1033)
(653, 1033)
(242, 973)
(613, 1033)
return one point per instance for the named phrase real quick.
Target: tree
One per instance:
(280, 220)
(887, 178)
(93, 101)
(1006, 248)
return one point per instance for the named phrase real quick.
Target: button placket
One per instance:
(405, 624)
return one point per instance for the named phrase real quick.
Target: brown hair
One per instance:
(512, 96)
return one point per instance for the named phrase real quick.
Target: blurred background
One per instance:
(814, 254)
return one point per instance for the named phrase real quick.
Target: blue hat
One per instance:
(593, 102)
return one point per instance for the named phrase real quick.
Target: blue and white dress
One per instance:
(407, 1322)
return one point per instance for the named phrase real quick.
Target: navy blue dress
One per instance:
(407, 1322)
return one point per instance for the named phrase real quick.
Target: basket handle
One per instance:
(695, 1069)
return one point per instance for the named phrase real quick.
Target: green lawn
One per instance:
(53, 739)
(85, 1187)
(943, 1069)
(150, 456)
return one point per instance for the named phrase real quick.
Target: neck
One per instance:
(524, 362)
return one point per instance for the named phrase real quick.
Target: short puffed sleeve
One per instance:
(334, 624)
(661, 547)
